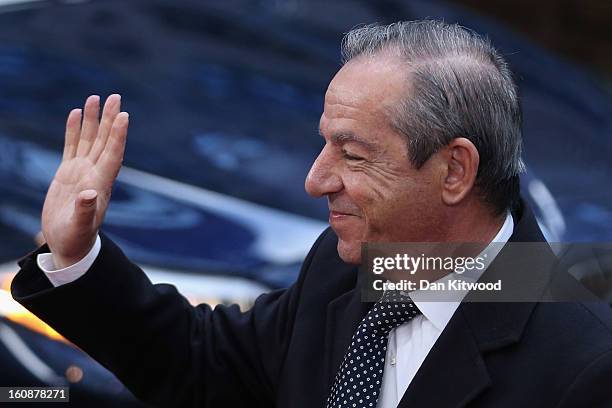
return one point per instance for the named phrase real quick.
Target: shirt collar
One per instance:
(440, 313)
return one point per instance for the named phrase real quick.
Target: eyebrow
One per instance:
(349, 137)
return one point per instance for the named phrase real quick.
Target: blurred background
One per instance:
(224, 100)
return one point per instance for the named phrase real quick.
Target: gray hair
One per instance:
(460, 86)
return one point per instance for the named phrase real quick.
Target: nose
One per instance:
(322, 179)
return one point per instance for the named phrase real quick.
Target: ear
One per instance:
(462, 160)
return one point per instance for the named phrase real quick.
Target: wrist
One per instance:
(62, 260)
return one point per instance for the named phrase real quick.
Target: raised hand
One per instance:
(80, 191)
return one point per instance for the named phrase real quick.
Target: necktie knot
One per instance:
(387, 315)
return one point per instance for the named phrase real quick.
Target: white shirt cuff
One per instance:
(70, 273)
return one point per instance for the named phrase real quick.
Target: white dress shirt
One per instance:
(408, 344)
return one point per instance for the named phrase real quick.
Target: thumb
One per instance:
(85, 207)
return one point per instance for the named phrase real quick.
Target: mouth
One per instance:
(336, 216)
(334, 213)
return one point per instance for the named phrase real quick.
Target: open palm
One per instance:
(79, 194)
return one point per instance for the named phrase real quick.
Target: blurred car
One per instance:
(224, 99)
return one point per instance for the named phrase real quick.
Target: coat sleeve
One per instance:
(167, 352)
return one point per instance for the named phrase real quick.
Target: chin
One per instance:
(349, 252)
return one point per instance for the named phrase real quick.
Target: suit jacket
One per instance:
(286, 349)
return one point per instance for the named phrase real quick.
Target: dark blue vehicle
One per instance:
(224, 100)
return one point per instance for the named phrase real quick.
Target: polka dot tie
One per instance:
(357, 383)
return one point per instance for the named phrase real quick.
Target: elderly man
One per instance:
(422, 143)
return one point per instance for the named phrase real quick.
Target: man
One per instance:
(422, 143)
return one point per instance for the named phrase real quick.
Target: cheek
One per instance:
(364, 194)
(389, 201)
(380, 206)
(368, 188)
(403, 207)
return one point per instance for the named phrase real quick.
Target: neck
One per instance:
(473, 223)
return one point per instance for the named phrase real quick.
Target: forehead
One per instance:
(369, 76)
(363, 90)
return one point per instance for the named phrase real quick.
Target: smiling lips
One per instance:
(338, 216)
(335, 214)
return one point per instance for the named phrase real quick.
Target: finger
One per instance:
(90, 125)
(112, 155)
(110, 112)
(85, 208)
(73, 127)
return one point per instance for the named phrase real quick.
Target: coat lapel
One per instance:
(343, 316)
(452, 374)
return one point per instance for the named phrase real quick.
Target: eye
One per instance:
(349, 156)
